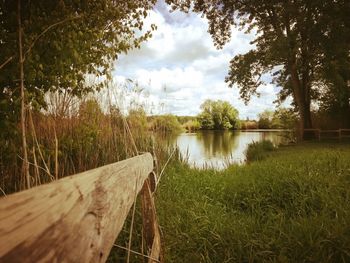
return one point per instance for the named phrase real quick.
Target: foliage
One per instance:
(191, 125)
(64, 41)
(335, 105)
(248, 125)
(296, 42)
(257, 151)
(88, 129)
(165, 123)
(90, 112)
(184, 119)
(265, 119)
(335, 74)
(87, 138)
(282, 118)
(292, 207)
(137, 120)
(218, 115)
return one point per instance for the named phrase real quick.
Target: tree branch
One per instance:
(6, 61)
(38, 37)
(46, 30)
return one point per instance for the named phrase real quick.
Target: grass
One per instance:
(292, 206)
(259, 150)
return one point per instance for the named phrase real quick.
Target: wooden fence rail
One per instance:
(336, 134)
(75, 219)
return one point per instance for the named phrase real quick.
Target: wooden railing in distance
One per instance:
(74, 219)
(337, 134)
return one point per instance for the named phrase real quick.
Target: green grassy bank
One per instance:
(292, 206)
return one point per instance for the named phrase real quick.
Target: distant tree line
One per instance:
(221, 115)
(281, 118)
(164, 123)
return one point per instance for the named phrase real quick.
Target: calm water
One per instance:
(218, 148)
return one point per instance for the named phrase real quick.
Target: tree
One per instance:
(335, 74)
(57, 44)
(289, 43)
(165, 123)
(284, 118)
(79, 38)
(218, 115)
(265, 119)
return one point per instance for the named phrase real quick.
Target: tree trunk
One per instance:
(301, 94)
(345, 119)
(300, 87)
(307, 122)
(25, 168)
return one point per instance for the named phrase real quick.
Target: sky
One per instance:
(179, 67)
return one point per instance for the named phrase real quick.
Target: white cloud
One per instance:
(170, 80)
(180, 67)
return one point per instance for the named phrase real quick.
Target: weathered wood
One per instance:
(340, 133)
(344, 133)
(75, 219)
(150, 223)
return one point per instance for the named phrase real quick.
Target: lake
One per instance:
(219, 148)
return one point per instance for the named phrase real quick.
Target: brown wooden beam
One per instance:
(75, 219)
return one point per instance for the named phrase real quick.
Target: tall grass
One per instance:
(74, 135)
(293, 206)
(259, 150)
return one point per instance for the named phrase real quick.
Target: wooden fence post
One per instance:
(150, 223)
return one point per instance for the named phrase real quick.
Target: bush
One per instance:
(249, 125)
(191, 125)
(165, 123)
(257, 151)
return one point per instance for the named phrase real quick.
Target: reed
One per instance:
(259, 150)
(76, 134)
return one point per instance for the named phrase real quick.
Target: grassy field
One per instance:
(292, 206)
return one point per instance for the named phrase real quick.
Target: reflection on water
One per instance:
(218, 148)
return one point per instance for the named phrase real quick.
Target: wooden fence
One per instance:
(78, 218)
(329, 134)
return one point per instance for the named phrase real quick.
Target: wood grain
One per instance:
(150, 223)
(75, 219)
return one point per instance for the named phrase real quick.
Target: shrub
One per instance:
(165, 123)
(259, 150)
(191, 125)
(249, 125)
